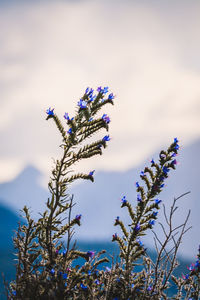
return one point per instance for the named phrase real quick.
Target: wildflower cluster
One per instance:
(47, 265)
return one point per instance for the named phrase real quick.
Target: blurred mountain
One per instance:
(99, 202)
(8, 223)
(25, 189)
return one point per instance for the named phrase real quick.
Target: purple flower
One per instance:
(139, 242)
(114, 237)
(111, 96)
(90, 254)
(52, 272)
(197, 264)
(137, 184)
(91, 98)
(165, 170)
(151, 222)
(66, 116)
(175, 140)
(162, 155)
(149, 288)
(155, 213)
(105, 90)
(162, 185)
(99, 89)
(69, 131)
(50, 112)
(142, 173)
(91, 173)
(106, 138)
(152, 161)
(191, 267)
(177, 147)
(174, 162)
(97, 281)
(139, 199)
(161, 178)
(157, 201)
(84, 287)
(117, 220)
(124, 201)
(106, 118)
(87, 90)
(137, 227)
(82, 103)
(185, 277)
(78, 217)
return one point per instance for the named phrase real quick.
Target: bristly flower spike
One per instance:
(50, 112)
(66, 116)
(137, 185)
(114, 237)
(105, 90)
(91, 173)
(106, 118)
(82, 104)
(111, 96)
(78, 217)
(124, 201)
(106, 138)
(90, 254)
(157, 201)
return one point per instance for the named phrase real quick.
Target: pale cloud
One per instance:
(51, 51)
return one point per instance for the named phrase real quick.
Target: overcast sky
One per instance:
(147, 52)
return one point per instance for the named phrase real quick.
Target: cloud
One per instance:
(146, 53)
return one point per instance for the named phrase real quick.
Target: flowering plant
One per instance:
(46, 258)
